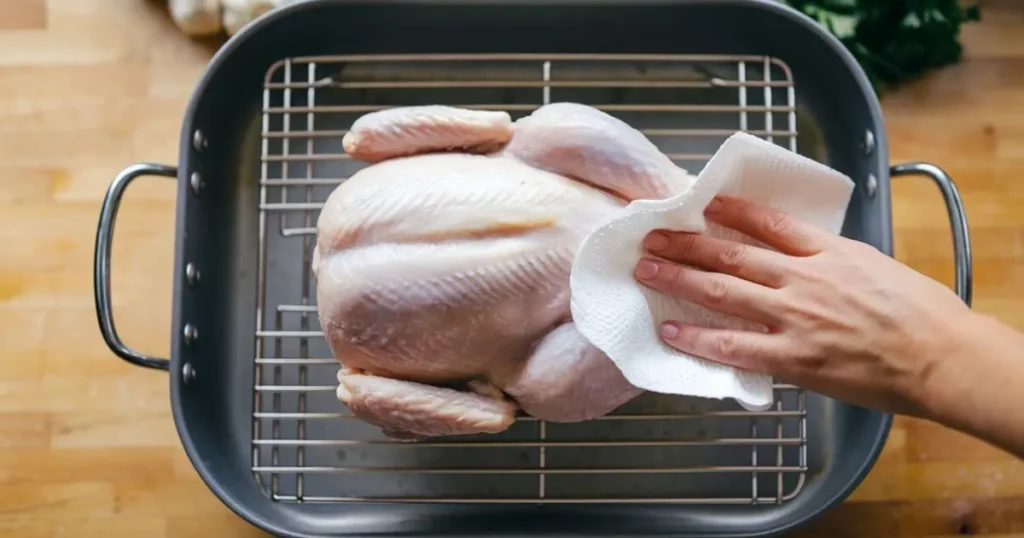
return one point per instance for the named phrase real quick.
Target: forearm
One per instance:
(977, 384)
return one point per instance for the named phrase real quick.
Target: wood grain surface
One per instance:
(87, 444)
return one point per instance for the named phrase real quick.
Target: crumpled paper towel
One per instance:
(621, 317)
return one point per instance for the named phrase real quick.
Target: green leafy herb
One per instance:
(894, 40)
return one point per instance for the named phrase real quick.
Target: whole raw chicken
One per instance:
(443, 268)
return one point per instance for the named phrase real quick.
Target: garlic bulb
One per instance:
(197, 17)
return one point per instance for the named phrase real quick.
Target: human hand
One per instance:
(842, 318)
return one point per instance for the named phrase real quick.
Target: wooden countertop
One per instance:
(87, 444)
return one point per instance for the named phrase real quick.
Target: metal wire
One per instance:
(305, 445)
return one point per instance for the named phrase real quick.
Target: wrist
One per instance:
(972, 381)
(947, 378)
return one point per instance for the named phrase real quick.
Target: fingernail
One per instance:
(656, 242)
(646, 270)
(714, 206)
(669, 330)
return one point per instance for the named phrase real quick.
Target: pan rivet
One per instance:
(190, 333)
(871, 185)
(191, 273)
(199, 140)
(188, 373)
(196, 181)
(869, 142)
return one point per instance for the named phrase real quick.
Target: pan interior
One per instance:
(655, 449)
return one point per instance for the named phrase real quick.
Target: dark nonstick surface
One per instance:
(218, 231)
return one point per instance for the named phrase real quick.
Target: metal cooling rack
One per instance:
(307, 448)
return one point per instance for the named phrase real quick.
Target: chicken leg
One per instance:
(566, 379)
(592, 146)
(407, 410)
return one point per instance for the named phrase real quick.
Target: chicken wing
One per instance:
(399, 132)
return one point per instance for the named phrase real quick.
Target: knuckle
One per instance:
(725, 346)
(688, 338)
(732, 256)
(716, 291)
(776, 223)
(683, 245)
(676, 281)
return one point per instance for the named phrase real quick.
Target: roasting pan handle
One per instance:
(957, 221)
(101, 262)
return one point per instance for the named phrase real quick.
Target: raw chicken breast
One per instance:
(448, 266)
(443, 278)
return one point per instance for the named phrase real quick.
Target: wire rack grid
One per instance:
(307, 448)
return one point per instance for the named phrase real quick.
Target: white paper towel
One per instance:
(621, 317)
